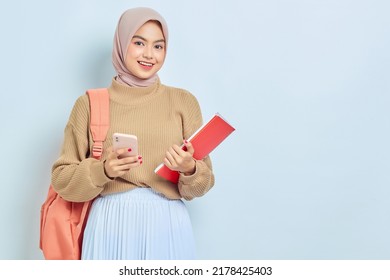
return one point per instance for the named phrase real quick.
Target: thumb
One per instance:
(111, 153)
(189, 147)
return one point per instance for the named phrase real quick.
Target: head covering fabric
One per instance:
(129, 22)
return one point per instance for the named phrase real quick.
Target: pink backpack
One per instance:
(62, 222)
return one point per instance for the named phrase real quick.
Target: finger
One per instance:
(127, 160)
(190, 148)
(114, 154)
(178, 154)
(111, 153)
(127, 167)
(184, 151)
(122, 151)
(119, 168)
(169, 157)
(178, 150)
(167, 163)
(170, 165)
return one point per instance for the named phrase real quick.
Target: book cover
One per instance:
(204, 141)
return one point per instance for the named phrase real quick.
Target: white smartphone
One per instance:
(125, 141)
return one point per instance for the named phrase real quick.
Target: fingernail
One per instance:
(185, 141)
(140, 162)
(139, 157)
(129, 149)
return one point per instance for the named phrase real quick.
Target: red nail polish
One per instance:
(139, 157)
(129, 149)
(185, 141)
(140, 162)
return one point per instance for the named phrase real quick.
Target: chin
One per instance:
(142, 77)
(145, 77)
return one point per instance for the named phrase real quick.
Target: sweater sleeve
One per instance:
(202, 180)
(75, 176)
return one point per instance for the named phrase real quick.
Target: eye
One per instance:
(159, 47)
(138, 43)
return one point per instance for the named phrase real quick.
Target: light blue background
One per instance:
(305, 83)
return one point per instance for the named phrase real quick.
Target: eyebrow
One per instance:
(142, 38)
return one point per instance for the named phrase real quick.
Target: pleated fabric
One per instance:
(140, 224)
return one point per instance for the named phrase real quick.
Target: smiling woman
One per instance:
(136, 214)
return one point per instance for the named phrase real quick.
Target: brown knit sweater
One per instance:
(159, 116)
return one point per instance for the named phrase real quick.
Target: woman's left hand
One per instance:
(179, 160)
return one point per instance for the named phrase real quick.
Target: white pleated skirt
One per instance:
(140, 224)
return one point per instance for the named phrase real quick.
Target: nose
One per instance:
(148, 53)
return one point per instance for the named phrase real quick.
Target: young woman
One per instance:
(136, 214)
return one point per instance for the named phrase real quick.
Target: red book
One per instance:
(204, 141)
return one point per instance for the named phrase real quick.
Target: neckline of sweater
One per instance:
(130, 96)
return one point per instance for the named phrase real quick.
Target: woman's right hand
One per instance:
(115, 166)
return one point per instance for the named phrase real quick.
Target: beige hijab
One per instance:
(129, 22)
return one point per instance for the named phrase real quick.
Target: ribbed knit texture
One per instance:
(159, 116)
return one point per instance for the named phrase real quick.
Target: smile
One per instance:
(145, 64)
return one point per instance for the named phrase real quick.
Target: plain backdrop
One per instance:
(306, 174)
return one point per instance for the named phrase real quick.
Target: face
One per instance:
(146, 52)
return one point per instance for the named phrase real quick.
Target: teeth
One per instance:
(146, 64)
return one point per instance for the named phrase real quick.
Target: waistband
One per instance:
(140, 193)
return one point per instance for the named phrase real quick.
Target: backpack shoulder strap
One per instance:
(99, 102)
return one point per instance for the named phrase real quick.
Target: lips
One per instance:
(146, 64)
